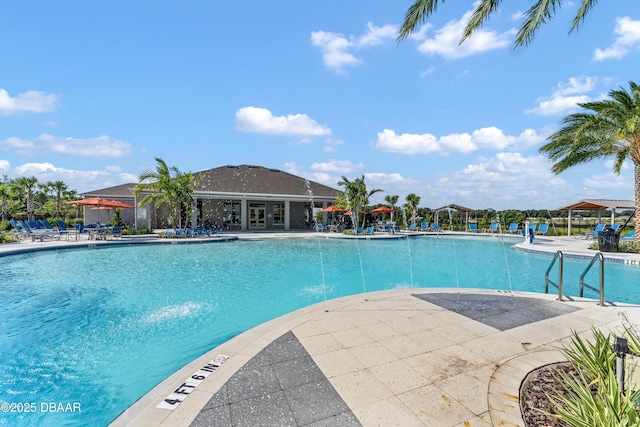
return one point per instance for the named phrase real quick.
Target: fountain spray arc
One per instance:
(312, 207)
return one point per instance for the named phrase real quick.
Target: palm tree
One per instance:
(159, 188)
(185, 185)
(607, 128)
(168, 185)
(356, 194)
(540, 13)
(59, 188)
(26, 186)
(5, 193)
(392, 200)
(412, 205)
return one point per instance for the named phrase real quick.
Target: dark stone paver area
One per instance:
(499, 311)
(280, 386)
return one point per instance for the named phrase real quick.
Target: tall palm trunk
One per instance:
(30, 214)
(636, 172)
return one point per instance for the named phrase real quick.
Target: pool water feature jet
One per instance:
(455, 252)
(354, 223)
(506, 259)
(404, 218)
(312, 206)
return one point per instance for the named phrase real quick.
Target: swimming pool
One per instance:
(99, 327)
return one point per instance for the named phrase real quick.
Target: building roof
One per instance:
(247, 179)
(455, 207)
(119, 191)
(237, 181)
(595, 204)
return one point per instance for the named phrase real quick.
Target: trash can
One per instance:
(608, 240)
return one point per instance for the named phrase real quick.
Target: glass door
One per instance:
(257, 216)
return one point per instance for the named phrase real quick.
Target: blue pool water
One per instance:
(97, 328)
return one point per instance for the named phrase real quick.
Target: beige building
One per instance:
(237, 198)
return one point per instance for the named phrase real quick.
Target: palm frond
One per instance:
(538, 14)
(417, 13)
(585, 8)
(480, 15)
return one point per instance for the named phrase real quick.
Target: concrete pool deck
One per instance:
(423, 357)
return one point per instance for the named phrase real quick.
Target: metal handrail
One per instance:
(558, 285)
(600, 257)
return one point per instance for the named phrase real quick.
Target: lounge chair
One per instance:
(39, 234)
(413, 226)
(370, 230)
(473, 227)
(594, 235)
(513, 227)
(435, 227)
(614, 227)
(424, 226)
(64, 231)
(319, 228)
(18, 232)
(359, 230)
(629, 236)
(543, 228)
(116, 232)
(493, 227)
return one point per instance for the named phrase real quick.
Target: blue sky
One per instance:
(92, 92)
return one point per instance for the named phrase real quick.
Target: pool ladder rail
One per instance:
(559, 256)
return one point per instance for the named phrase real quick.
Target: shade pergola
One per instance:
(599, 205)
(457, 208)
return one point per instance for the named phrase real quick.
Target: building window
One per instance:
(231, 215)
(278, 213)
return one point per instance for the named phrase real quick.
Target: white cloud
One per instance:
(22, 147)
(260, 120)
(4, 165)
(341, 167)
(331, 145)
(628, 32)
(484, 138)
(99, 148)
(446, 41)
(508, 180)
(31, 101)
(337, 48)
(565, 97)
(80, 180)
(376, 35)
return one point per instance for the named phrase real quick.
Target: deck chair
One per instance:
(413, 226)
(435, 227)
(629, 236)
(543, 228)
(64, 231)
(370, 230)
(319, 228)
(424, 226)
(594, 235)
(39, 234)
(17, 232)
(493, 227)
(614, 227)
(513, 227)
(359, 230)
(473, 227)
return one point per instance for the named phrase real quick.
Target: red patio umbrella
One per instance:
(100, 202)
(332, 209)
(381, 209)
